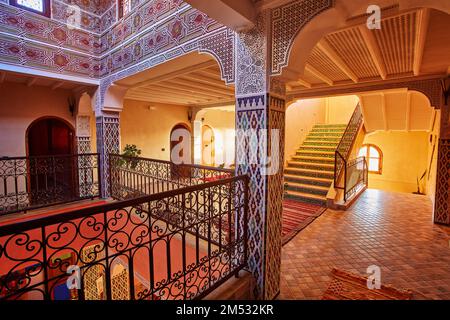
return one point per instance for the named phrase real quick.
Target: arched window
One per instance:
(374, 157)
(38, 6)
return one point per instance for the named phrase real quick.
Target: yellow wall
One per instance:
(223, 125)
(302, 115)
(404, 159)
(20, 105)
(339, 110)
(148, 126)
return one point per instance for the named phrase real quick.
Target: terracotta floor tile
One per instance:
(391, 230)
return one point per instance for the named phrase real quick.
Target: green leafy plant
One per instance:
(130, 150)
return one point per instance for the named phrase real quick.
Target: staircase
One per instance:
(309, 174)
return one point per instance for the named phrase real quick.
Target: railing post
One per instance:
(99, 178)
(345, 181)
(246, 186)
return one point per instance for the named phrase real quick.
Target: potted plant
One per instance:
(130, 151)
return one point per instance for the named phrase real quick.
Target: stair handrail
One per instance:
(342, 151)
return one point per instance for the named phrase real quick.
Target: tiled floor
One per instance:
(391, 230)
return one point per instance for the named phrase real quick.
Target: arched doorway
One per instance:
(180, 150)
(208, 146)
(50, 136)
(51, 166)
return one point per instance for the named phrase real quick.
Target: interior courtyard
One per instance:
(224, 150)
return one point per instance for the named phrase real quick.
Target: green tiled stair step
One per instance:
(342, 125)
(325, 134)
(318, 148)
(310, 173)
(311, 166)
(323, 130)
(305, 197)
(335, 139)
(308, 180)
(305, 188)
(321, 143)
(312, 153)
(324, 160)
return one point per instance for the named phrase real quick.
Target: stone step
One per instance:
(320, 135)
(306, 188)
(310, 159)
(318, 148)
(309, 173)
(311, 166)
(306, 197)
(314, 153)
(331, 125)
(323, 138)
(328, 130)
(321, 143)
(324, 182)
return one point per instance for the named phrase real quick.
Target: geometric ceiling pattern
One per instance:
(409, 43)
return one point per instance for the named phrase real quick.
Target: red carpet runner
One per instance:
(296, 216)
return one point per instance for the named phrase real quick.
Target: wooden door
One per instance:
(52, 179)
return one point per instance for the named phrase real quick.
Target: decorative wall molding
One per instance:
(429, 87)
(153, 28)
(221, 46)
(251, 58)
(83, 126)
(84, 145)
(442, 202)
(286, 23)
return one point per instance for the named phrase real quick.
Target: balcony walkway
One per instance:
(392, 230)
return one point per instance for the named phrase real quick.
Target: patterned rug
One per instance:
(348, 286)
(296, 216)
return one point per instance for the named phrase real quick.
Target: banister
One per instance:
(342, 152)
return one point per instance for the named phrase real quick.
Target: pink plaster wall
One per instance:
(20, 106)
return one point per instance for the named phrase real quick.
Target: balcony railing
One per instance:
(131, 176)
(356, 176)
(343, 166)
(177, 244)
(35, 182)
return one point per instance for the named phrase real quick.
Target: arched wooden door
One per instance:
(51, 179)
(208, 146)
(180, 150)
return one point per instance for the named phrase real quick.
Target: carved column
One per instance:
(442, 202)
(108, 141)
(259, 118)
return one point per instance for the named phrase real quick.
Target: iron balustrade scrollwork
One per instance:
(34, 182)
(356, 175)
(125, 250)
(342, 153)
(135, 176)
(131, 177)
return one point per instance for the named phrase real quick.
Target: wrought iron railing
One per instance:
(125, 250)
(132, 177)
(356, 176)
(34, 182)
(342, 153)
